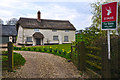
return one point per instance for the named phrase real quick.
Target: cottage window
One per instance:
(55, 37)
(66, 39)
(36, 30)
(29, 39)
(54, 30)
(66, 30)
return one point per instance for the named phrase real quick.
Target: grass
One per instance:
(18, 60)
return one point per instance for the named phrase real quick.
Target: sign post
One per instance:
(109, 19)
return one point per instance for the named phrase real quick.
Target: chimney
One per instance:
(38, 15)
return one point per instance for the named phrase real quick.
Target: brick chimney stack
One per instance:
(38, 15)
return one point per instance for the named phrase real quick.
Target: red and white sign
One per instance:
(109, 15)
(109, 12)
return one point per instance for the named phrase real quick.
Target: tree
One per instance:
(1, 21)
(12, 21)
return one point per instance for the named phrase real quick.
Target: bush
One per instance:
(45, 49)
(31, 49)
(64, 52)
(37, 49)
(60, 51)
(19, 48)
(55, 50)
(50, 49)
(34, 48)
(23, 48)
(40, 49)
(28, 49)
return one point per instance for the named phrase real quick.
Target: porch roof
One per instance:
(38, 35)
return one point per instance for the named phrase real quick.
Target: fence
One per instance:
(10, 56)
(94, 60)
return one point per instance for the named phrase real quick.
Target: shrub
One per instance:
(14, 47)
(23, 48)
(28, 49)
(55, 50)
(60, 51)
(68, 55)
(37, 49)
(50, 49)
(40, 49)
(64, 52)
(45, 49)
(19, 48)
(31, 49)
(34, 48)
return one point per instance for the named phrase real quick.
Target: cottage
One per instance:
(43, 31)
(9, 33)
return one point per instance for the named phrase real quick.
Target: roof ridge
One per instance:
(54, 20)
(44, 19)
(27, 18)
(8, 25)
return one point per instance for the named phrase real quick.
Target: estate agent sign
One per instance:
(109, 16)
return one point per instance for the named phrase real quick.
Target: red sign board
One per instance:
(109, 15)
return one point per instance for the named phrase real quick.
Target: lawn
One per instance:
(18, 60)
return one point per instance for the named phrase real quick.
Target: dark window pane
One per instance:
(65, 38)
(29, 39)
(55, 37)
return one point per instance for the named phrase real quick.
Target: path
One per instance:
(43, 65)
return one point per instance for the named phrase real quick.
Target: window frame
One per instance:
(66, 40)
(36, 30)
(66, 30)
(54, 38)
(28, 40)
(54, 30)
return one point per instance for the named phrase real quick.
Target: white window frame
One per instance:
(54, 30)
(56, 37)
(36, 30)
(27, 39)
(66, 30)
(66, 40)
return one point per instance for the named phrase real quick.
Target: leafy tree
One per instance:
(12, 21)
(1, 21)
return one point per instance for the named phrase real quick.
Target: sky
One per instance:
(78, 12)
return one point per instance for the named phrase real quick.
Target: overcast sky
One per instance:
(78, 12)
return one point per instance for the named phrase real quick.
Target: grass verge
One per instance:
(18, 60)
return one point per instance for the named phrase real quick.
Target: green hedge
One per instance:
(55, 51)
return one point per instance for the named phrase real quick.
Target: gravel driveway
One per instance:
(43, 65)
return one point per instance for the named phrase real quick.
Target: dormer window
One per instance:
(54, 30)
(36, 30)
(66, 30)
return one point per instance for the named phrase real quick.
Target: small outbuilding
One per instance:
(9, 33)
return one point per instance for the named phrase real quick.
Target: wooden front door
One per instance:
(38, 42)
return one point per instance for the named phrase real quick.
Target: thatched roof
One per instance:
(8, 30)
(38, 35)
(45, 24)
